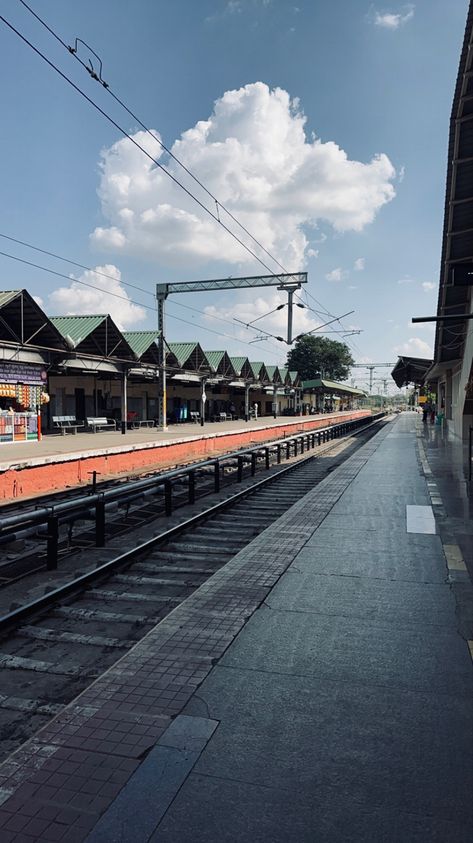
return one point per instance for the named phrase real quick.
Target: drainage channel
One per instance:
(54, 647)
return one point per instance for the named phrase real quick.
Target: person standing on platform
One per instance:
(433, 413)
(425, 411)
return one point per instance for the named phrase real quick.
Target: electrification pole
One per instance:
(161, 296)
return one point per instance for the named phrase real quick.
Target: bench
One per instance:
(194, 416)
(66, 423)
(101, 423)
(136, 423)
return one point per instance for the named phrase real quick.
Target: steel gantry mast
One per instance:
(287, 281)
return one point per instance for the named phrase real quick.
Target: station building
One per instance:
(449, 377)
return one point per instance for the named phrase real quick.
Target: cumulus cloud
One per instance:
(104, 295)
(391, 20)
(39, 300)
(359, 264)
(428, 286)
(254, 155)
(415, 347)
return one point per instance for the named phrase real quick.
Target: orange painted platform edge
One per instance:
(28, 481)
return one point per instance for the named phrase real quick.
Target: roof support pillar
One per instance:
(124, 401)
(161, 296)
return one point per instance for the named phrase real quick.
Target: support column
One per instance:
(275, 401)
(203, 400)
(124, 401)
(247, 402)
(161, 296)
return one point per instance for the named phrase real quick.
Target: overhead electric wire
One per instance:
(75, 263)
(116, 295)
(149, 132)
(94, 75)
(135, 143)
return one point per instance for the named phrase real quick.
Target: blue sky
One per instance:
(322, 126)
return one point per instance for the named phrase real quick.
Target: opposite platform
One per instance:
(58, 462)
(316, 688)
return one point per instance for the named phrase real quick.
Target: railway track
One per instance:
(54, 646)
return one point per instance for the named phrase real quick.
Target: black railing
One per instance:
(176, 488)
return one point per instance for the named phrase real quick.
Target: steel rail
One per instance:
(80, 583)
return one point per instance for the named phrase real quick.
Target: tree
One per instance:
(316, 357)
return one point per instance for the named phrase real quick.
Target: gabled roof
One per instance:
(220, 363)
(144, 345)
(259, 371)
(295, 379)
(324, 385)
(94, 334)
(274, 374)
(23, 322)
(189, 355)
(285, 379)
(242, 367)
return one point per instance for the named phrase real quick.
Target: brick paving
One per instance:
(60, 782)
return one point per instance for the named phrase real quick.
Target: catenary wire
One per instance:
(168, 151)
(135, 143)
(157, 140)
(215, 217)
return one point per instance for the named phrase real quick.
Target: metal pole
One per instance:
(125, 401)
(290, 296)
(203, 399)
(161, 296)
(247, 402)
(275, 401)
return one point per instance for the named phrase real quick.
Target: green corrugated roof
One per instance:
(214, 358)
(321, 383)
(77, 327)
(238, 363)
(284, 373)
(293, 376)
(271, 370)
(182, 350)
(140, 341)
(7, 296)
(256, 367)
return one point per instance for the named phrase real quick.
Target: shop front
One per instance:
(21, 395)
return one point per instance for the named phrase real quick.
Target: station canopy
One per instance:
(23, 323)
(410, 370)
(220, 364)
(95, 335)
(259, 372)
(324, 386)
(242, 368)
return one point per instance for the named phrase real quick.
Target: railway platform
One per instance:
(58, 462)
(316, 688)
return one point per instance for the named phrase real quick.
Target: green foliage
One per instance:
(316, 357)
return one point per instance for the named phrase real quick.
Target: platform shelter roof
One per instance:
(410, 370)
(95, 335)
(24, 323)
(295, 379)
(285, 379)
(144, 345)
(274, 375)
(325, 386)
(456, 267)
(189, 356)
(220, 364)
(242, 367)
(259, 372)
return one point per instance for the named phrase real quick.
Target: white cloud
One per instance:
(428, 286)
(359, 264)
(336, 274)
(254, 155)
(415, 347)
(352, 287)
(391, 20)
(105, 295)
(39, 301)
(406, 281)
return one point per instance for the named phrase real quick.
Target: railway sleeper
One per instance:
(39, 633)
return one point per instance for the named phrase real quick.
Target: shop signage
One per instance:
(22, 373)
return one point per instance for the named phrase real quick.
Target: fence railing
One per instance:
(173, 488)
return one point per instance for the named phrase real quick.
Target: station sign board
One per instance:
(22, 373)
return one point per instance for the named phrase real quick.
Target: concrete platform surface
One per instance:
(317, 688)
